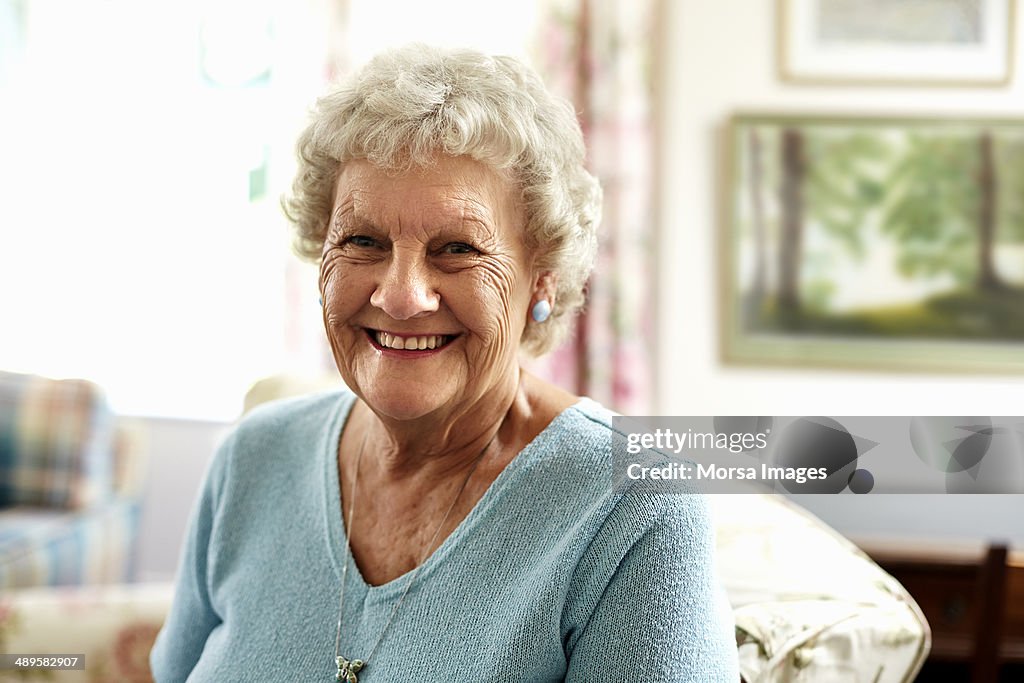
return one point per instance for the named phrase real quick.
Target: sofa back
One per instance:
(57, 442)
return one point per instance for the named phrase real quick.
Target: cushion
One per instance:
(809, 605)
(56, 442)
(41, 546)
(113, 626)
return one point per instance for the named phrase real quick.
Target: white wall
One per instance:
(179, 451)
(718, 58)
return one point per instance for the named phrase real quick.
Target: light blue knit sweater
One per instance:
(551, 577)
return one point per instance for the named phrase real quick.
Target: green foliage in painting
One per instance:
(845, 181)
(932, 205)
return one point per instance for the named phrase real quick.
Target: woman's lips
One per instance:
(421, 343)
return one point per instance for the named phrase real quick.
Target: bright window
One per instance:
(144, 149)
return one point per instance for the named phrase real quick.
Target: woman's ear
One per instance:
(545, 286)
(543, 300)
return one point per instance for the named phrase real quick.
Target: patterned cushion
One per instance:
(809, 605)
(55, 547)
(56, 442)
(113, 626)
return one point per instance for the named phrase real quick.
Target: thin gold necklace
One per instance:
(348, 668)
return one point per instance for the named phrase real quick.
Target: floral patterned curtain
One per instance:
(599, 54)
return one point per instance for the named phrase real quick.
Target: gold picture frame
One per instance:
(862, 242)
(945, 43)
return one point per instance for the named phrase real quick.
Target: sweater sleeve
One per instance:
(192, 616)
(662, 616)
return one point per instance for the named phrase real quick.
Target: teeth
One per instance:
(390, 341)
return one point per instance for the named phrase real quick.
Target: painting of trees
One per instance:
(882, 229)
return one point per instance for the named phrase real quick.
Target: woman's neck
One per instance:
(440, 445)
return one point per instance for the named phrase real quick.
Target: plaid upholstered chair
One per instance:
(69, 490)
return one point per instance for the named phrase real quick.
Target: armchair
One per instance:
(69, 485)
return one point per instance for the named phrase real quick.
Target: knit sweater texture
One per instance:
(555, 574)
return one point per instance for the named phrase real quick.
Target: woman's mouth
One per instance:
(427, 342)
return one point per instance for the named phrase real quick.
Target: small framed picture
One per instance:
(907, 42)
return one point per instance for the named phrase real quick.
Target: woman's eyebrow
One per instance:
(342, 213)
(453, 219)
(351, 212)
(346, 217)
(474, 214)
(472, 208)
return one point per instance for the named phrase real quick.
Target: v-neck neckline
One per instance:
(337, 533)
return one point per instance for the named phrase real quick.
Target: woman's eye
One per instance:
(361, 241)
(458, 248)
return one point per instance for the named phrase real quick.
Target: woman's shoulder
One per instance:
(664, 536)
(594, 412)
(588, 435)
(575, 443)
(585, 419)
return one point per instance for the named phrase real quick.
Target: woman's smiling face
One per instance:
(427, 282)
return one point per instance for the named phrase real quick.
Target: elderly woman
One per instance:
(452, 517)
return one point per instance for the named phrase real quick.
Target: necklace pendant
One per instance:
(347, 669)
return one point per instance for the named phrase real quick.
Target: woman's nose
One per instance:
(406, 289)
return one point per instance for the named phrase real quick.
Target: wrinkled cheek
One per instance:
(337, 290)
(329, 273)
(328, 296)
(344, 341)
(501, 331)
(336, 310)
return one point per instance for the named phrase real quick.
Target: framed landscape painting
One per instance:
(889, 243)
(909, 42)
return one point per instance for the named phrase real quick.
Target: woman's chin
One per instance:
(403, 406)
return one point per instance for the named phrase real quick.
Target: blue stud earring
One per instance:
(541, 311)
(320, 300)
